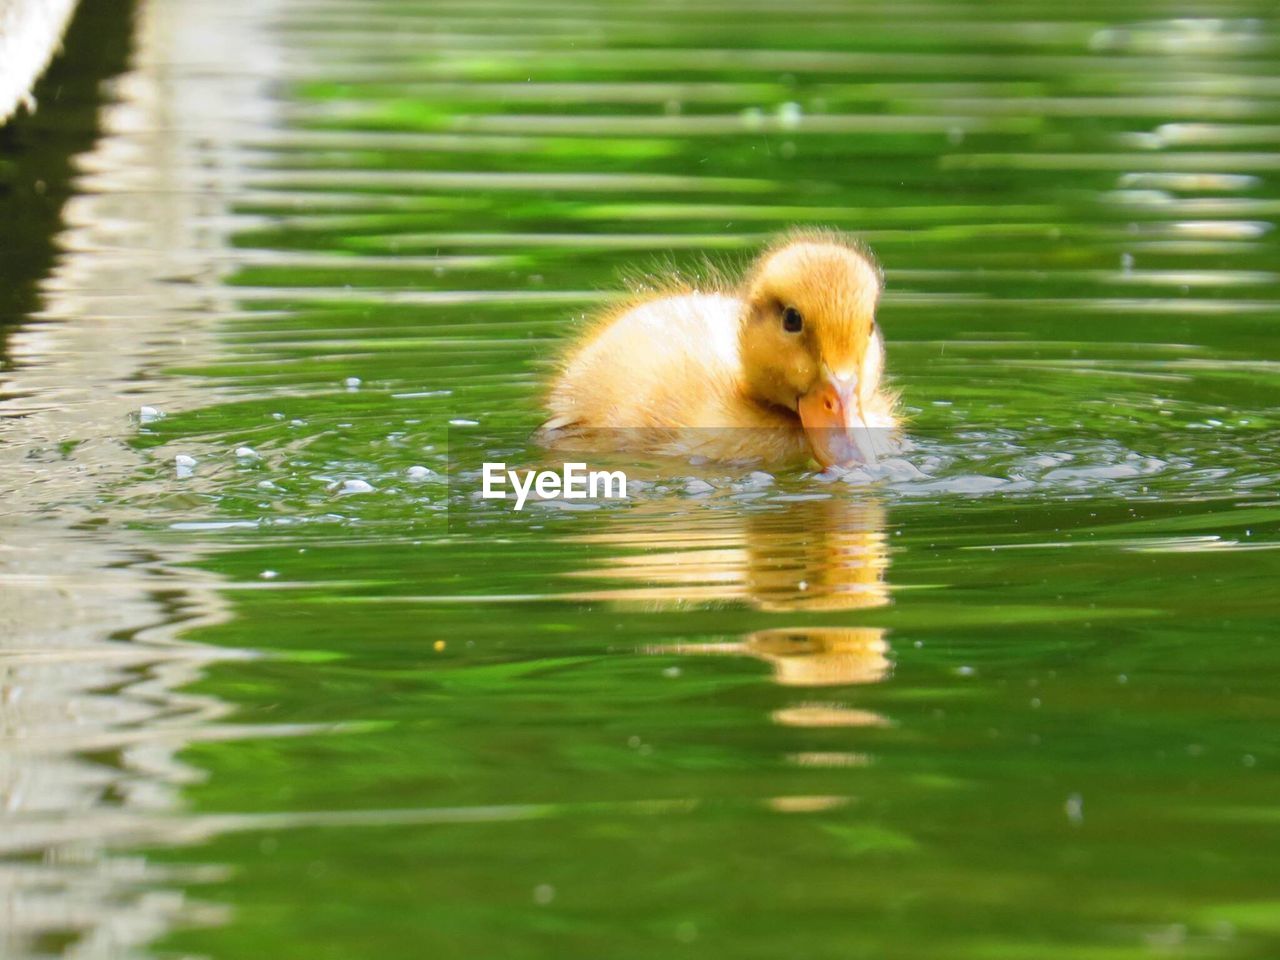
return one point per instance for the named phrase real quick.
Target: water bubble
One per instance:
(1119, 471)
(855, 475)
(789, 115)
(182, 460)
(350, 487)
(971, 484)
(464, 423)
(1074, 807)
(419, 472)
(898, 470)
(268, 575)
(352, 383)
(149, 415)
(696, 487)
(246, 453)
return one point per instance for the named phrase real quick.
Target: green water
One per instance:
(1022, 704)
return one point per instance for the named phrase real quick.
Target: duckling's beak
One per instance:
(832, 416)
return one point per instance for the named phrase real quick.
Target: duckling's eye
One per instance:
(792, 322)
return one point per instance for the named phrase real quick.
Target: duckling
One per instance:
(786, 366)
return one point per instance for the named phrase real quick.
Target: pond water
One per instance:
(263, 694)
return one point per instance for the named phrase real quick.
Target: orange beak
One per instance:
(831, 414)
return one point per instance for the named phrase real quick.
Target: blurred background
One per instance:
(264, 261)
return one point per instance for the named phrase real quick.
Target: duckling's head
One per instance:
(809, 341)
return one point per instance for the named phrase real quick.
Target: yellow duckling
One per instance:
(787, 366)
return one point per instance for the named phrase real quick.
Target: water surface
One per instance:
(1016, 697)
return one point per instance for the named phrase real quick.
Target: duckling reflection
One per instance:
(815, 555)
(811, 657)
(821, 656)
(811, 555)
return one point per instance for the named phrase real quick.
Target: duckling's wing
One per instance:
(559, 431)
(558, 423)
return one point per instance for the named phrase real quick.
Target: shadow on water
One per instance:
(94, 705)
(38, 150)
